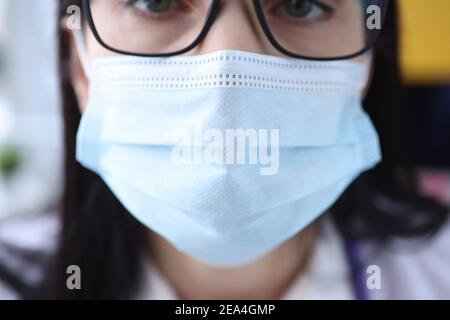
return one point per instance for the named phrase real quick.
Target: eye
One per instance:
(304, 9)
(151, 6)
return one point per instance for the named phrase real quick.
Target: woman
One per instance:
(142, 226)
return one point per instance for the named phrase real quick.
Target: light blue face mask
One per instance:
(226, 155)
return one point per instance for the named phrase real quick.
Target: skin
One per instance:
(265, 278)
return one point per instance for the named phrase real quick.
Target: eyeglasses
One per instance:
(306, 29)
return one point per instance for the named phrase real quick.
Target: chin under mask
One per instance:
(229, 154)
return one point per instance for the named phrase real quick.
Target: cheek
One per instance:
(80, 81)
(369, 79)
(363, 59)
(95, 49)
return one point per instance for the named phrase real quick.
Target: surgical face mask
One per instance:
(229, 154)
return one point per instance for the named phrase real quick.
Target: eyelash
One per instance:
(277, 8)
(326, 8)
(134, 4)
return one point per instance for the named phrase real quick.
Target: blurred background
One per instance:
(30, 126)
(30, 123)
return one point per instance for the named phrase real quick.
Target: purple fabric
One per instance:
(354, 260)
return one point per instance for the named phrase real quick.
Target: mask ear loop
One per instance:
(82, 52)
(368, 66)
(367, 73)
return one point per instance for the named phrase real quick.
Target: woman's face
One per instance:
(235, 28)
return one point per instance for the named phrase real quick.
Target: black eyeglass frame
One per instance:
(212, 14)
